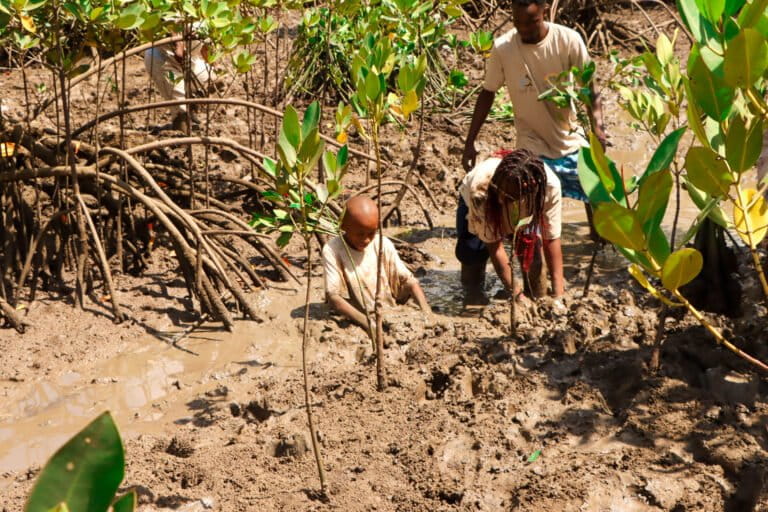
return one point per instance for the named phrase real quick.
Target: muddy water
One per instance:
(147, 387)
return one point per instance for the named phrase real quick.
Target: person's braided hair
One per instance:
(520, 177)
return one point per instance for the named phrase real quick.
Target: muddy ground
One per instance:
(567, 417)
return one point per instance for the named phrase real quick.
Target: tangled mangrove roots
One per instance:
(124, 214)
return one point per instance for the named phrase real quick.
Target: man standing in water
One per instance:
(525, 59)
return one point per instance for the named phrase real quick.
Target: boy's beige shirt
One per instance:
(340, 275)
(541, 127)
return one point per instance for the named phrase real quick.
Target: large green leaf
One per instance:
(286, 150)
(84, 473)
(701, 28)
(619, 225)
(752, 13)
(711, 9)
(291, 129)
(681, 268)
(658, 245)
(708, 171)
(746, 58)
(710, 91)
(733, 6)
(602, 164)
(694, 115)
(372, 86)
(311, 118)
(590, 179)
(653, 198)
(130, 17)
(706, 203)
(743, 144)
(664, 155)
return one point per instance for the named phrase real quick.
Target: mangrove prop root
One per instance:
(12, 316)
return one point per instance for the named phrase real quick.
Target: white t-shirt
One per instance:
(340, 275)
(474, 191)
(541, 127)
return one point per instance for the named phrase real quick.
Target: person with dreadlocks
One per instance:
(495, 197)
(526, 60)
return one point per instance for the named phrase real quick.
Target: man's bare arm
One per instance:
(479, 115)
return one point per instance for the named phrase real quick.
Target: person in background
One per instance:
(165, 65)
(350, 272)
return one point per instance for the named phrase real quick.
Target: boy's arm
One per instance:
(343, 307)
(418, 294)
(553, 253)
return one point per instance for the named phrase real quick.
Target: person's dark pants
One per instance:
(473, 256)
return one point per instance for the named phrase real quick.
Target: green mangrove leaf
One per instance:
(619, 225)
(708, 171)
(751, 13)
(84, 473)
(291, 130)
(746, 58)
(653, 198)
(590, 179)
(693, 113)
(286, 151)
(664, 155)
(711, 9)
(681, 268)
(710, 92)
(311, 119)
(702, 201)
(743, 144)
(701, 28)
(372, 86)
(733, 6)
(602, 165)
(658, 245)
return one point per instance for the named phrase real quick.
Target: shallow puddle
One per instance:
(146, 387)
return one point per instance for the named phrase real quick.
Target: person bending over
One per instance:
(350, 263)
(493, 198)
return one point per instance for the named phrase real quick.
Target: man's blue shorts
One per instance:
(566, 168)
(471, 250)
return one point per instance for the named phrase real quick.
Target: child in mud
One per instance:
(350, 272)
(493, 197)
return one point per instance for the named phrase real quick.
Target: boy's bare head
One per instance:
(360, 222)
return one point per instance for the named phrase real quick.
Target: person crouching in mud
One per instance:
(493, 198)
(350, 262)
